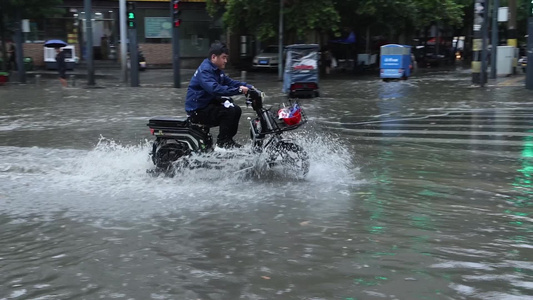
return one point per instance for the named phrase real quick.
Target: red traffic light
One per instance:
(176, 5)
(176, 13)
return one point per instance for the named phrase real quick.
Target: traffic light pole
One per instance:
(134, 58)
(176, 63)
(132, 36)
(529, 67)
(123, 42)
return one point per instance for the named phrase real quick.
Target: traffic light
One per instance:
(130, 14)
(176, 13)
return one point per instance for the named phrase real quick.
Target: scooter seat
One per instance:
(167, 122)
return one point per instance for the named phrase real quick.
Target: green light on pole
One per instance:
(130, 13)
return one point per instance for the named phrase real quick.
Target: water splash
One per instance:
(112, 180)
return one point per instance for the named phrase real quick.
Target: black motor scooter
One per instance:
(178, 140)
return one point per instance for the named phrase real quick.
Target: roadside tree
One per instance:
(13, 11)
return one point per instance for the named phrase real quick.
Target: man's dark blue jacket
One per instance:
(207, 83)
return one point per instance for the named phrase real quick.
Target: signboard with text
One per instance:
(157, 27)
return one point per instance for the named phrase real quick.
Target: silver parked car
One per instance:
(522, 63)
(267, 59)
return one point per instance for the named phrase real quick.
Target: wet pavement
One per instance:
(418, 189)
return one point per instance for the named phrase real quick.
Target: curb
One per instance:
(517, 81)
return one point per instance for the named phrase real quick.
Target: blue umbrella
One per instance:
(55, 44)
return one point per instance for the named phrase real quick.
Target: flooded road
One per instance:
(417, 190)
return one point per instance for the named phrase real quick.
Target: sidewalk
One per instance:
(160, 77)
(512, 80)
(151, 77)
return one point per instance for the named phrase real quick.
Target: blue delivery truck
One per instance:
(395, 62)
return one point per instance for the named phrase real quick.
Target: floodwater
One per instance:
(419, 189)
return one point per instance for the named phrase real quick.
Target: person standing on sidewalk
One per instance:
(61, 66)
(208, 94)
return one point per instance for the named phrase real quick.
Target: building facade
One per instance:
(153, 23)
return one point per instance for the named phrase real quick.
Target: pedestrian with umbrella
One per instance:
(60, 59)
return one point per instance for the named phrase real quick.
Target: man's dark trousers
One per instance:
(215, 114)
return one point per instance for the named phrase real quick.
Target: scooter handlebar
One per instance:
(254, 93)
(255, 98)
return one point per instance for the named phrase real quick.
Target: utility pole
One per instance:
(485, 34)
(494, 51)
(2, 38)
(19, 52)
(89, 44)
(511, 30)
(280, 42)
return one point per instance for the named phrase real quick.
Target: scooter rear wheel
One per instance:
(167, 152)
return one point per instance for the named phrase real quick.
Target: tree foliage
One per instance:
(32, 8)
(261, 17)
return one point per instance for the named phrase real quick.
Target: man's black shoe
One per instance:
(228, 144)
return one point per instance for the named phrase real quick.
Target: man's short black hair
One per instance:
(217, 48)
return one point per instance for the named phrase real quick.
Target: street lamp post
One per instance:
(89, 43)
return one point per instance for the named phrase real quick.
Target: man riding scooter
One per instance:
(207, 99)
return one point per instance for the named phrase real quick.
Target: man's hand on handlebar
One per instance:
(243, 89)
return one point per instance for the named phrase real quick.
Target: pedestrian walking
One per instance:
(327, 60)
(61, 66)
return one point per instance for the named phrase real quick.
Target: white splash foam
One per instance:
(112, 180)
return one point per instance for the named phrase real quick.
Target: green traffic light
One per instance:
(131, 15)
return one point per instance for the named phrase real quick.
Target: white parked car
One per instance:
(267, 59)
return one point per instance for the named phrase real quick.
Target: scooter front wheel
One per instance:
(292, 158)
